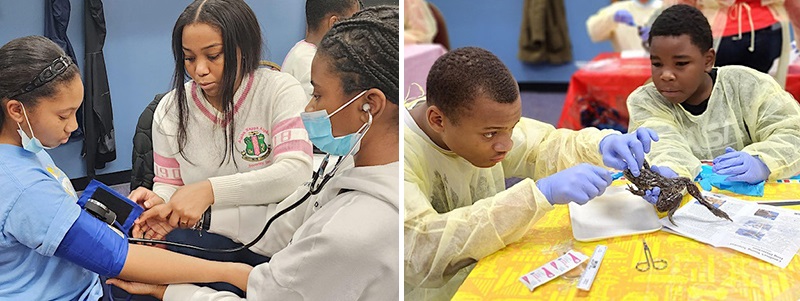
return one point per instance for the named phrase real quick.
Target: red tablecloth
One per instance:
(793, 81)
(597, 92)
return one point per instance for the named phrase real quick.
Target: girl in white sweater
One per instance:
(347, 246)
(230, 140)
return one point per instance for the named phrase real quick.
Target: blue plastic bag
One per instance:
(708, 178)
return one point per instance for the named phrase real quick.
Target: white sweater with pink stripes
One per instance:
(272, 153)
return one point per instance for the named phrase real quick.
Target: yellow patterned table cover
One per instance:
(696, 271)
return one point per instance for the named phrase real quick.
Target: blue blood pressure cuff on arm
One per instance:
(109, 206)
(91, 242)
(93, 245)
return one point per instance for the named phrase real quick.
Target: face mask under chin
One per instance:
(31, 144)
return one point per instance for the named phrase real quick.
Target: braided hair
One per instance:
(240, 30)
(365, 50)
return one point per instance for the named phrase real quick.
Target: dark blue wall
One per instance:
(138, 56)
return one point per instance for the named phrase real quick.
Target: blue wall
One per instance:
(138, 55)
(495, 25)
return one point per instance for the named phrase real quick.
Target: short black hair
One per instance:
(683, 19)
(365, 51)
(316, 10)
(458, 77)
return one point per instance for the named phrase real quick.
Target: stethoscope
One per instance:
(318, 181)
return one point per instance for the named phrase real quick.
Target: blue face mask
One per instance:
(29, 144)
(318, 125)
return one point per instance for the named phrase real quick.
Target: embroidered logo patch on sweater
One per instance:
(255, 144)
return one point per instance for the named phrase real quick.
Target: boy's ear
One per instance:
(435, 118)
(710, 57)
(331, 21)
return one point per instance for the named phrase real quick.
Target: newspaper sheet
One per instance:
(765, 232)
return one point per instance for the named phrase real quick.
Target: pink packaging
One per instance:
(553, 269)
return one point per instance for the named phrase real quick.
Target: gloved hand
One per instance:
(578, 184)
(644, 33)
(664, 171)
(624, 16)
(627, 151)
(740, 166)
(651, 195)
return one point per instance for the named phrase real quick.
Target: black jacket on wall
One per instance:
(56, 19)
(99, 147)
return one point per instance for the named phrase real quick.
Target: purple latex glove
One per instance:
(644, 33)
(623, 16)
(578, 184)
(627, 151)
(664, 171)
(740, 166)
(651, 195)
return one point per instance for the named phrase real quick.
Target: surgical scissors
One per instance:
(658, 264)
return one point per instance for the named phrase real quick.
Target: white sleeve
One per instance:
(340, 260)
(166, 168)
(298, 64)
(182, 292)
(291, 152)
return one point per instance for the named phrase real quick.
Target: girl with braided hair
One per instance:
(345, 242)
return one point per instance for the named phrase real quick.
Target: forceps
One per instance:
(658, 264)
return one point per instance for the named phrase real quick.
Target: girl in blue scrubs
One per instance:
(50, 249)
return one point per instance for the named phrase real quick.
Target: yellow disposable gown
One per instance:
(747, 111)
(456, 213)
(601, 26)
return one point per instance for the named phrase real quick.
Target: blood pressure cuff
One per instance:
(126, 211)
(93, 245)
